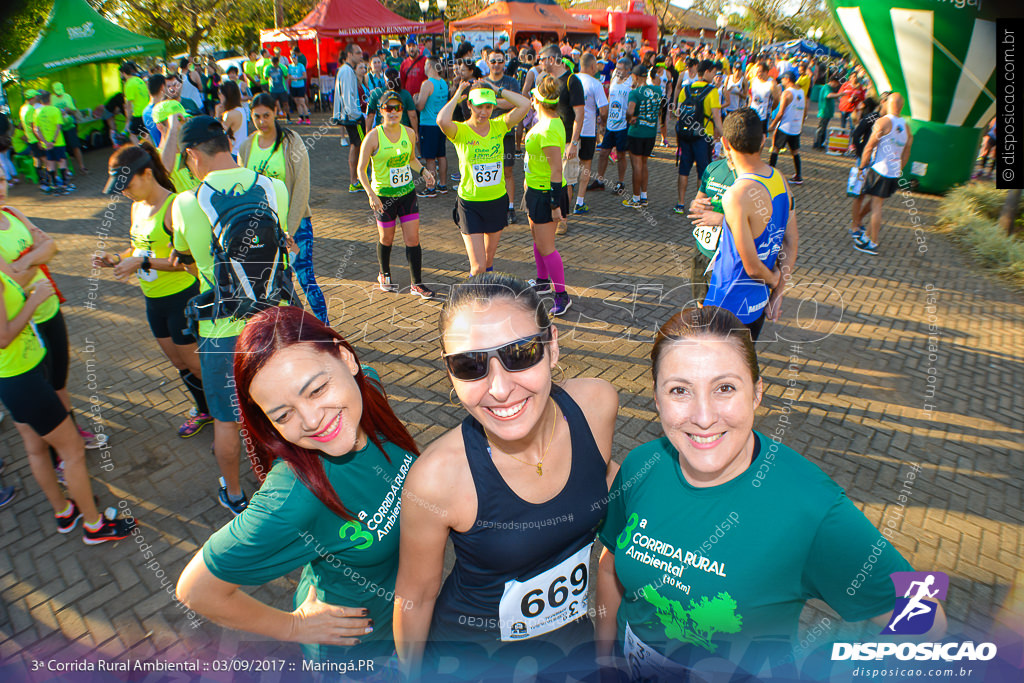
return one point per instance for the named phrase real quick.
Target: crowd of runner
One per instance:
(524, 487)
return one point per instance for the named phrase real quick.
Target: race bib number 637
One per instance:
(546, 601)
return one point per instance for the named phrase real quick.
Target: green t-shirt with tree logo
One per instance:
(352, 563)
(648, 109)
(708, 570)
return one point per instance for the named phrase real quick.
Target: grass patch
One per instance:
(969, 213)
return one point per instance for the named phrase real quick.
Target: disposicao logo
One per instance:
(84, 31)
(913, 614)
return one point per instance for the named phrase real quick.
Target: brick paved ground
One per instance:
(849, 363)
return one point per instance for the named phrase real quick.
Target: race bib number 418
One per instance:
(547, 601)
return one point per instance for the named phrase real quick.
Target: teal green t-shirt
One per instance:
(708, 570)
(717, 178)
(351, 563)
(648, 108)
(826, 106)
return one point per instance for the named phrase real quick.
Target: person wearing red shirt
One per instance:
(412, 73)
(850, 95)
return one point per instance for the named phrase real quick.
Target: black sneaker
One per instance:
(619, 188)
(237, 507)
(595, 185)
(112, 529)
(541, 286)
(512, 218)
(562, 303)
(422, 291)
(796, 180)
(67, 523)
(7, 494)
(426, 192)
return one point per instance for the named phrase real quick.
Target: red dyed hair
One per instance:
(264, 335)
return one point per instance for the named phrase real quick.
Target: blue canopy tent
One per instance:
(808, 47)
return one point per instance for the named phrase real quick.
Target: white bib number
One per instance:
(487, 175)
(143, 275)
(708, 235)
(401, 176)
(547, 601)
(646, 663)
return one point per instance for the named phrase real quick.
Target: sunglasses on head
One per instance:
(391, 107)
(521, 354)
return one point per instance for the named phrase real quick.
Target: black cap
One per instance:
(640, 70)
(121, 176)
(198, 130)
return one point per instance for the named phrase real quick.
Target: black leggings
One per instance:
(55, 337)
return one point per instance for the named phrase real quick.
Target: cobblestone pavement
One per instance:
(849, 378)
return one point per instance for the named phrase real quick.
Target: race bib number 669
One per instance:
(546, 601)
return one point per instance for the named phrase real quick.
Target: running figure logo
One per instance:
(914, 613)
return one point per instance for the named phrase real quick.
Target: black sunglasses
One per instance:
(496, 61)
(515, 356)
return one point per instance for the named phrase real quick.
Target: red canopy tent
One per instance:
(321, 32)
(517, 17)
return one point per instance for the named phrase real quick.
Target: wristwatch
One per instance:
(145, 263)
(500, 90)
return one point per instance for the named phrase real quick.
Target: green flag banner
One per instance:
(941, 56)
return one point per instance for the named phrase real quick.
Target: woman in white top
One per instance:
(735, 92)
(234, 117)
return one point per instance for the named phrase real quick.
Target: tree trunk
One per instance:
(1007, 217)
(278, 13)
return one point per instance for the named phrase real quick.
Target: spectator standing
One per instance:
(348, 112)
(500, 81)
(827, 96)
(413, 70)
(595, 108)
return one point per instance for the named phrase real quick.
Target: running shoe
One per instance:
(857, 234)
(614, 156)
(679, 209)
(796, 180)
(581, 209)
(865, 245)
(355, 187)
(619, 188)
(112, 529)
(595, 185)
(456, 178)
(195, 422)
(630, 204)
(46, 189)
(541, 285)
(384, 282)
(519, 154)
(426, 192)
(563, 227)
(66, 523)
(442, 189)
(562, 303)
(93, 441)
(643, 201)
(512, 218)
(422, 291)
(237, 507)
(7, 494)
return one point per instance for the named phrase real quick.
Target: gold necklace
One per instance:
(540, 463)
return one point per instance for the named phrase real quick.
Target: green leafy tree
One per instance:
(27, 18)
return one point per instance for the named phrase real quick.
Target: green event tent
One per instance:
(76, 34)
(82, 50)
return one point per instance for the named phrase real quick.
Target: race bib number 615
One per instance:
(547, 601)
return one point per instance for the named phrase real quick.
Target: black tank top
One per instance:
(515, 540)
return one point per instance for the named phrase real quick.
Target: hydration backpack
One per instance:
(250, 258)
(690, 126)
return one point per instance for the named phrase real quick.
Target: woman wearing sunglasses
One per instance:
(519, 487)
(481, 210)
(752, 531)
(547, 200)
(332, 457)
(392, 192)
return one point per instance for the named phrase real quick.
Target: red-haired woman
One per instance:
(307, 404)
